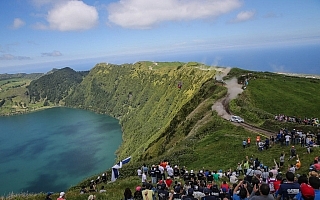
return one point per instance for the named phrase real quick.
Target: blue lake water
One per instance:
(54, 149)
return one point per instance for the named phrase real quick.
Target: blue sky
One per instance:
(36, 35)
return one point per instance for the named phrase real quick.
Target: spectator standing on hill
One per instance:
(161, 168)
(292, 153)
(282, 160)
(176, 172)
(104, 177)
(153, 175)
(287, 138)
(139, 172)
(239, 169)
(158, 173)
(144, 178)
(257, 140)
(248, 141)
(267, 143)
(272, 139)
(246, 166)
(298, 164)
(170, 171)
(144, 169)
(244, 143)
(127, 194)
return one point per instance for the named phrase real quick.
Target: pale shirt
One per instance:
(144, 178)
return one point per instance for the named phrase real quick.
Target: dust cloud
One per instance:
(234, 89)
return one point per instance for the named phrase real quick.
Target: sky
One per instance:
(37, 35)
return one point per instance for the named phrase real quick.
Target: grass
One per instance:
(217, 143)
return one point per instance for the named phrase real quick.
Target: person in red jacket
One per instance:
(168, 181)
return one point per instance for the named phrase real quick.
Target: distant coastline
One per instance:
(312, 76)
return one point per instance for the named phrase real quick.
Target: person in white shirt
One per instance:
(144, 178)
(139, 172)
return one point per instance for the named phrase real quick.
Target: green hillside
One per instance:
(269, 94)
(146, 98)
(162, 121)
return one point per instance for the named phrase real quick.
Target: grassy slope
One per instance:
(16, 89)
(271, 94)
(213, 143)
(145, 98)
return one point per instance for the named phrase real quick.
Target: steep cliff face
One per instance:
(150, 100)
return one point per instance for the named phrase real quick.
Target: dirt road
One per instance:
(222, 105)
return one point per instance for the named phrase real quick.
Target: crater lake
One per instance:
(54, 149)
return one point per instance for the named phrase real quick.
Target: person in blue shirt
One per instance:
(241, 192)
(289, 189)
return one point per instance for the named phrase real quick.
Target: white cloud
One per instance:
(146, 13)
(18, 23)
(244, 16)
(53, 54)
(71, 16)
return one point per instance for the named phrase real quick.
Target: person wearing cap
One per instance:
(48, 197)
(288, 189)
(306, 192)
(137, 194)
(62, 196)
(189, 195)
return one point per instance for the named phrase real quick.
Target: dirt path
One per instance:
(222, 105)
(234, 89)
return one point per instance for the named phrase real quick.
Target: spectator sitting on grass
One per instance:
(102, 190)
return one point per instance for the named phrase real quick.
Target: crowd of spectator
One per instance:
(249, 180)
(314, 121)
